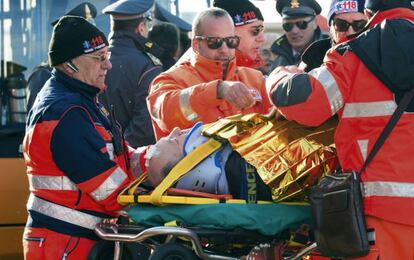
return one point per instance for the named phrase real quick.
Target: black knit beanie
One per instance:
(73, 36)
(241, 11)
(381, 5)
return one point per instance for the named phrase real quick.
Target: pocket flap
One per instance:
(336, 201)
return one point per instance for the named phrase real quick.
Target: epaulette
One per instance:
(153, 51)
(154, 59)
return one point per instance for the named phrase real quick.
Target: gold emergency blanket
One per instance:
(290, 158)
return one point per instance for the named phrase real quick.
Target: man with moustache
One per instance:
(208, 85)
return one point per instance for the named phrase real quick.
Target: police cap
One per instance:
(128, 9)
(85, 10)
(162, 14)
(297, 8)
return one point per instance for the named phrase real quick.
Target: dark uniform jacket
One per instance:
(133, 69)
(36, 81)
(282, 48)
(74, 169)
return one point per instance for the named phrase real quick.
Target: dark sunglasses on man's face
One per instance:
(343, 26)
(215, 42)
(288, 26)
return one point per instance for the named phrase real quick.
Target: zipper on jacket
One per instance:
(36, 239)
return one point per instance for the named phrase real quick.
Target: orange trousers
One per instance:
(40, 243)
(392, 240)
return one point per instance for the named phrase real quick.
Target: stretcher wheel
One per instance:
(172, 251)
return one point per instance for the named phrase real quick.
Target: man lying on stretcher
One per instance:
(226, 170)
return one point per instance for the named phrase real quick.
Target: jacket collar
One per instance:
(85, 89)
(139, 41)
(244, 61)
(211, 69)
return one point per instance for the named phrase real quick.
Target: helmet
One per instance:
(380, 5)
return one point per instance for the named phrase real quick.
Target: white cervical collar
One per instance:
(209, 175)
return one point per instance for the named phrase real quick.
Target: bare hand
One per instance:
(237, 93)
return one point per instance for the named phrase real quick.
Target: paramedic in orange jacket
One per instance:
(77, 161)
(209, 85)
(364, 100)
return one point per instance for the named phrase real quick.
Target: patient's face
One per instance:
(169, 151)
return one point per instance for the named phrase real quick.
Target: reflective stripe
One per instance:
(185, 106)
(363, 147)
(369, 109)
(109, 185)
(37, 182)
(328, 82)
(157, 106)
(388, 189)
(62, 213)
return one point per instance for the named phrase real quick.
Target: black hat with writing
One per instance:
(241, 11)
(73, 36)
(297, 8)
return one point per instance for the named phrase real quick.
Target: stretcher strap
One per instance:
(185, 165)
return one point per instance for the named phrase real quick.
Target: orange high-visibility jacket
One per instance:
(187, 93)
(344, 85)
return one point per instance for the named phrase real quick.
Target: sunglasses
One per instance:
(300, 24)
(215, 42)
(100, 58)
(343, 26)
(257, 30)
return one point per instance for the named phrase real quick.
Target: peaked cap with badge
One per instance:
(241, 11)
(297, 8)
(129, 9)
(164, 15)
(85, 10)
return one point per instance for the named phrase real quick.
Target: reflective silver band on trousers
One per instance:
(325, 78)
(43, 182)
(62, 213)
(388, 189)
(369, 109)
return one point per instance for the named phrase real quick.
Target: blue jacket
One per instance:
(74, 170)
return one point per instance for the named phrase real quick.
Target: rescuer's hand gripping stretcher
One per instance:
(180, 221)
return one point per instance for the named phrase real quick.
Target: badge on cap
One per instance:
(294, 4)
(347, 6)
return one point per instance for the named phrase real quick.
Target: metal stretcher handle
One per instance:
(101, 228)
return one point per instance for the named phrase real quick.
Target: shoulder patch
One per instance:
(154, 59)
(343, 48)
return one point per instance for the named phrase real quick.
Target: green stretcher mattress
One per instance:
(267, 219)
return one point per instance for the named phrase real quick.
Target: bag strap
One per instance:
(389, 126)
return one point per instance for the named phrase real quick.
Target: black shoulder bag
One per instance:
(337, 207)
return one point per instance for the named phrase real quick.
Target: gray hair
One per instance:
(209, 12)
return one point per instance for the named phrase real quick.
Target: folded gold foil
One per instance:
(290, 158)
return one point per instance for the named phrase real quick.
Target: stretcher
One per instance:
(182, 224)
(193, 225)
